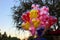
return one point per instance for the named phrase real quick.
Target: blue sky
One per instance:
(6, 22)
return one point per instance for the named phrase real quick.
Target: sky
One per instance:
(6, 22)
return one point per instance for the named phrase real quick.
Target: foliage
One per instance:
(54, 7)
(5, 37)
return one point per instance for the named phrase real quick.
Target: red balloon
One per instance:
(52, 20)
(38, 13)
(26, 17)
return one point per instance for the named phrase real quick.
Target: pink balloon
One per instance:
(43, 24)
(45, 8)
(32, 30)
(35, 6)
(44, 17)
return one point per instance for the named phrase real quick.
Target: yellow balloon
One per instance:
(33, 14)
(26, 26)
(23, 24)
(35, 22)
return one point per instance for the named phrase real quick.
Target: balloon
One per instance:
(33, 14)
(54, 19)
(38, 13)
(36, 22)
(44, 10)
(26, 17)
(23, 24)
(40, 31)
(26, 25)
(51, 20)
(35, 6)
(32, 30)
(44, 18)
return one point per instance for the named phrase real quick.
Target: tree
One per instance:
(54, 7)
(5, 37)
(0, 36)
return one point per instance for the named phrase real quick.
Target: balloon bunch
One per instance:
(37, 19)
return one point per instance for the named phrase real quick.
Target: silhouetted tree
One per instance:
(0, 36)
(54, 9)
(5, 37)
(31, 38)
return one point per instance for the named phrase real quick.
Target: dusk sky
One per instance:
(6, 22)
